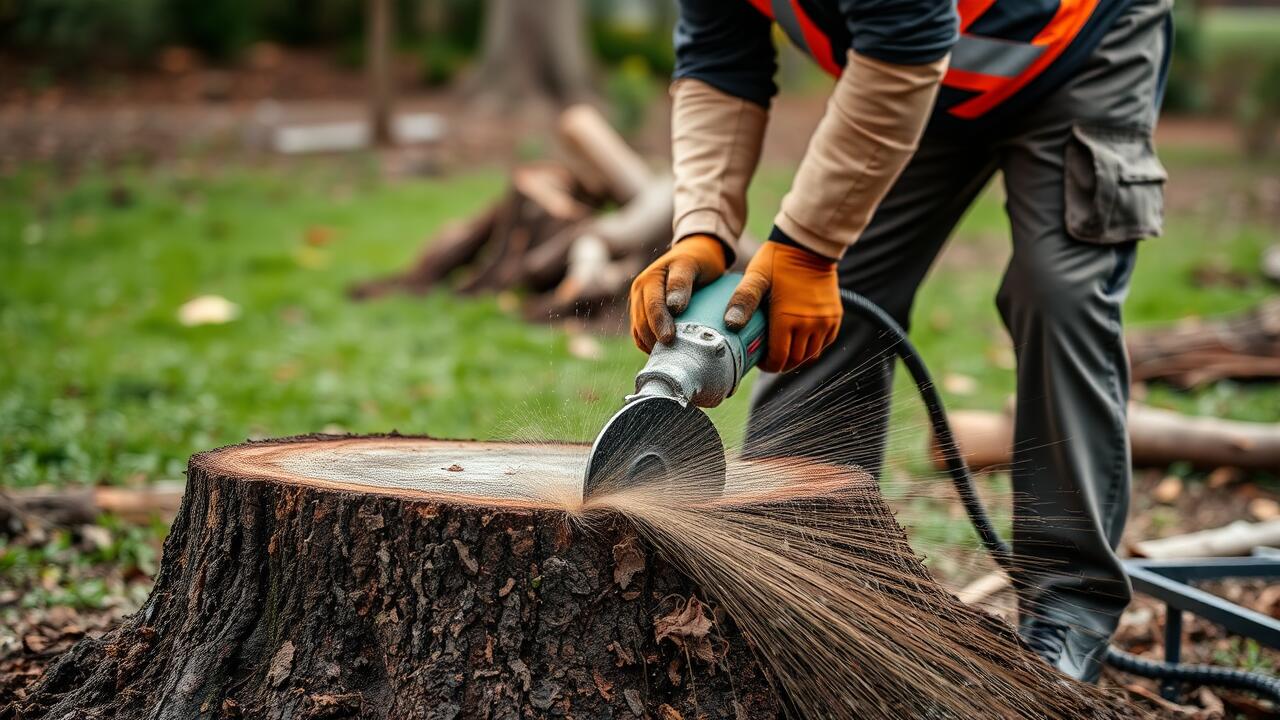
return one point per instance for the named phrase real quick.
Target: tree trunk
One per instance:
(291, 589)
(380, 42)
(532, 51)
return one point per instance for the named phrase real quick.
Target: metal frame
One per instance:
(1170, 581)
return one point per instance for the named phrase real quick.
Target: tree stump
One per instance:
(397, 577)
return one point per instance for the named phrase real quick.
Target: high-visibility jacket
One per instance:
(1004, 53)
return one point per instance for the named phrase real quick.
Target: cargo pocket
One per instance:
(1114, 185)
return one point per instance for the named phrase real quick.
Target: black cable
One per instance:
(958, 469)
(956, 466)
(1265, 685)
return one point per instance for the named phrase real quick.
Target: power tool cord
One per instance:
(958, 469)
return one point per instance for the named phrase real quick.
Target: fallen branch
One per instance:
(1246, 345)
(1157, 437)
(1238, 538)
(68, 507)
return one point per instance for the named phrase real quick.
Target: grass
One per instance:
(100, 383)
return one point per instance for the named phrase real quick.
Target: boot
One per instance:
(1074, 651)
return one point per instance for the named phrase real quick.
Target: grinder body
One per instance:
(661, 434)
(707, 360)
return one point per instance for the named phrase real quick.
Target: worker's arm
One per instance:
(725, 63)
(872, 125)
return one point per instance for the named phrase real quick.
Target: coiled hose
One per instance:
(958, 469)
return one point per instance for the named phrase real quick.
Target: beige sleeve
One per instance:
(872, 125)
(715, 146)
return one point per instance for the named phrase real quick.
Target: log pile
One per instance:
(568, 235)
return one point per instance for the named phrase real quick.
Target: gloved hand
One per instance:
(664, 287)
(804, 303)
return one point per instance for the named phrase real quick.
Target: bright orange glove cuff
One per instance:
(804, 303)
(663, 288)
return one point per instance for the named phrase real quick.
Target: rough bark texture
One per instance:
(283, 600)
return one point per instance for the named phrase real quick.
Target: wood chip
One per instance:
(1168, 490)
(1264, 509)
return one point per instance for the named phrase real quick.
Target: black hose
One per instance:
(956, 466)
(958, 469)
(1259, 683)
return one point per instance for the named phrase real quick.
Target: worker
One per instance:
(930, 100)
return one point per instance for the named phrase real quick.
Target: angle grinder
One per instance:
(661, 433)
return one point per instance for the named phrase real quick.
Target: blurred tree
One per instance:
(532, 51)
(380, 68)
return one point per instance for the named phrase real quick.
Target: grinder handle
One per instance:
(707, 307)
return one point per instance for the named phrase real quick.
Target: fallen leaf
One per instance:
(96, 536)
(1168, 490)
(958, 384)
(688, 626)
(319, 235)
(1264, 509)
(585, 347)
(628, 560)
(1224, 476)
(508, 302)
(207, 310)
(666, 712)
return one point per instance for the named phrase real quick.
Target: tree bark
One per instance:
(288, 590)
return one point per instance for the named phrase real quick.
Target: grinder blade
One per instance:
(656, 439)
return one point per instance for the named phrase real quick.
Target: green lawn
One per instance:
(101, 383)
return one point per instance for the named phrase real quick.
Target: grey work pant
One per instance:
(1083, 185)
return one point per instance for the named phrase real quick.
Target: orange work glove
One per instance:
(804, 303)
(664, 287)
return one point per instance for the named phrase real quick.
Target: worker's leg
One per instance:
(1083, 185)
(836, 408)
